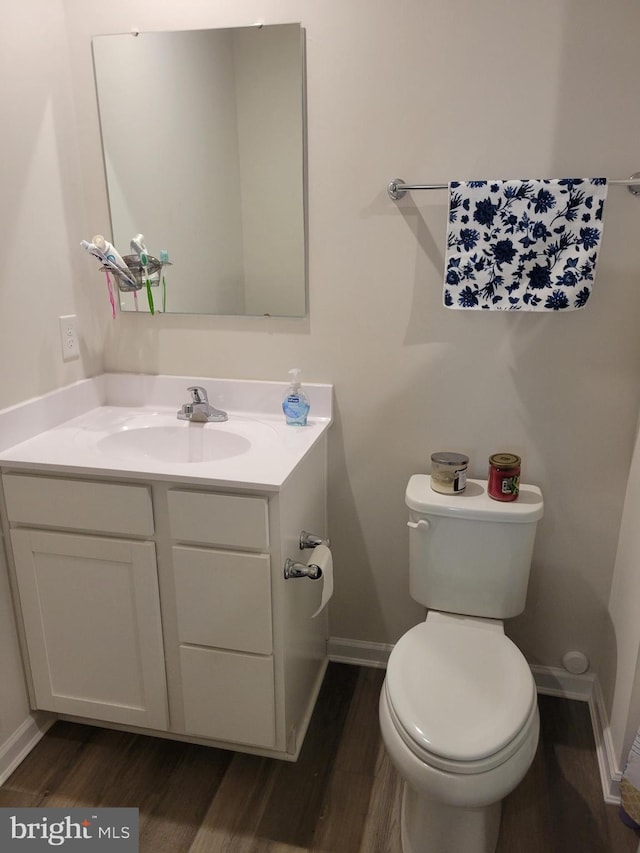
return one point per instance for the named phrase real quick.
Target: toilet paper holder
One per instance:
(293, 569)
(301, 570)
(310, 540)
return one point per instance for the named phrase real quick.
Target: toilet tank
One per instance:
(468, 553)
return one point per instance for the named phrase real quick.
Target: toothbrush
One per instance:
(164, 259)
(144, 260)
(138, 248)
(111, 299)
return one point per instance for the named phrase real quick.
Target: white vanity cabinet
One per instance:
(89, 604)
(162, 605)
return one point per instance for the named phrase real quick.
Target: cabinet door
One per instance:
(223, 599)
(92, 620)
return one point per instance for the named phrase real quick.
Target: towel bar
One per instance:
(397, 188)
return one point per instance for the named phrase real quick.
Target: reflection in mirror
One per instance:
(203, 142)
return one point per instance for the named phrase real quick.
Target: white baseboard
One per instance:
(610, 772)
(554, 681)
(358, 652)
(551, 681)
(16, 748)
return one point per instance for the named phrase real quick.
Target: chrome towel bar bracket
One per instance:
(398, 188)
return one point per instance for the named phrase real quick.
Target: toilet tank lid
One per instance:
(474, 502)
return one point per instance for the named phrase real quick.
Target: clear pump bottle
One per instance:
(295, 404)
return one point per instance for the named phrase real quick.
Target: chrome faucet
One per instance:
(199, 409)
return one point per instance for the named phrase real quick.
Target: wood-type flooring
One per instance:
(342, 796)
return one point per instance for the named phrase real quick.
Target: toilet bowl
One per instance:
(459, 719)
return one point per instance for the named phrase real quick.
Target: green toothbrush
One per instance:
(144, 260)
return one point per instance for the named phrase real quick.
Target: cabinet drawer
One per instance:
(78, 505)
(223, 599)
(230, 521)
(228, 696)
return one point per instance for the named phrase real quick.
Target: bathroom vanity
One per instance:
(147, 564)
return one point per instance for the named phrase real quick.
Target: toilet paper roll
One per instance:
(321, 556)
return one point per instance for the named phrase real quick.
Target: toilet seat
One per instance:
(461, 697)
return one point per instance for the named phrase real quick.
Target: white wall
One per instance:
(432, 91)
(621, 665)
(42, 269)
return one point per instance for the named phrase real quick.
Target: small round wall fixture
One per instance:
(575, 662)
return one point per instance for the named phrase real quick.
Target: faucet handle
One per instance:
(198, 394)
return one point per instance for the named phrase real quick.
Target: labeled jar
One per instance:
(504, 476)
(449, 472)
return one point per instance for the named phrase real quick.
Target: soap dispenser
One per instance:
(295, 404)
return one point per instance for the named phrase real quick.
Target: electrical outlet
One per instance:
(68, 337)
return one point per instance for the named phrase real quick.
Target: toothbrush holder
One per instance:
(151, 273)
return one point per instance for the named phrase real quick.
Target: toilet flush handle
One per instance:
(423, 525)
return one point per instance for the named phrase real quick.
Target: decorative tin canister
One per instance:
(504, 476)
(449, 472)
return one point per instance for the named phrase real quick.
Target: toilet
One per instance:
(458, 707)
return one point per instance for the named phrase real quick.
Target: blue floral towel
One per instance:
(523, 245)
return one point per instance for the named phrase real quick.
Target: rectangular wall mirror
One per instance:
(203, 136)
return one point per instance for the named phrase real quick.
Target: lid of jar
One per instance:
(446, 458)
(504, 460)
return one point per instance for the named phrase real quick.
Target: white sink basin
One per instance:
(194, 443)
(159, 437)
(165, 439)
